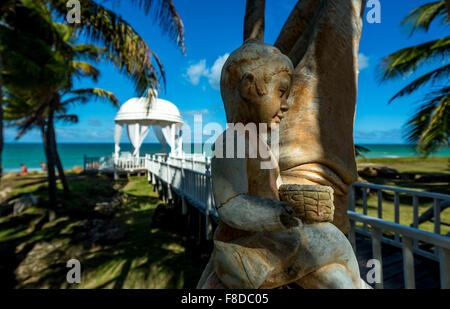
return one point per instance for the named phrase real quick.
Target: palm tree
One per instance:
(429, 127)
(122, 46)
(125, 47)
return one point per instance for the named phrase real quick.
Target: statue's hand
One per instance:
(286, 217)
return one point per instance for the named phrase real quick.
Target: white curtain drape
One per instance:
(169, 134)
(178, 140)
(136, 135)
(117, 135)
(160, 136)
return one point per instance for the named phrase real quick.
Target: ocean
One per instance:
(72, 154)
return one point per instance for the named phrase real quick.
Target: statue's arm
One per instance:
(240, 210)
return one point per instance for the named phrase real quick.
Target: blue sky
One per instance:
(213, 29)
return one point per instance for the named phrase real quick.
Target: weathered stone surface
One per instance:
(259, 243)
(24, 202)
(311, 204)
(317, 132)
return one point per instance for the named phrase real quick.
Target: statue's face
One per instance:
(273, 105)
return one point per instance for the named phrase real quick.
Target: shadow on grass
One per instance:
(147, 257)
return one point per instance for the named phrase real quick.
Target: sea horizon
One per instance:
(72, 154)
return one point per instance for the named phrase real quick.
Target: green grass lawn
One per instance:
(34, 252)
(146, 258)
(420, 166)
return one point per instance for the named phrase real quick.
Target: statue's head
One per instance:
(255, 84)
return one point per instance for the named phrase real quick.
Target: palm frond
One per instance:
(431, 77)
(168, 18)
(68, 118)
(85, 69)
(422, 17)
(430, 126)
(407, 60)
(96, 93)
(127, 49)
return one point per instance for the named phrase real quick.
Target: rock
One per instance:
(368, 172)
(99, 231)
(24, 202)
(77, 169)
(386, 172)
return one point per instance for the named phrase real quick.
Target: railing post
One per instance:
(408, 263)
(396, 212)
(377, 254)
(444, 263)
(437, 216)
(364, 192)
(380, 204)
(415, 216)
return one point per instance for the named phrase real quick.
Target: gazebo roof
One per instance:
(136, 110)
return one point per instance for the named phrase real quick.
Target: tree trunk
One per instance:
(51, 160)
(61, 174)
(1, 117)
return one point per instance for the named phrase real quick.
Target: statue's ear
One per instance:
(247, 86)
(252, 86)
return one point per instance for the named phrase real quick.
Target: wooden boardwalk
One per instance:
(187, 181)
(426, 270)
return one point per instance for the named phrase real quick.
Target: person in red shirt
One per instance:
(23, 169)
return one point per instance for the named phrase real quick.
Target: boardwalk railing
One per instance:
(193, 185)
(408, 235)
(130, 163)
(414, 196)
(189, 178)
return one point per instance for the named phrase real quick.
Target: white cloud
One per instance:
(216, 70)
(195, 71)
(198, 70)
(363, 61)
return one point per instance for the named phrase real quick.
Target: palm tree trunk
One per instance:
(61, 174)
(1, 116)
(51, 160)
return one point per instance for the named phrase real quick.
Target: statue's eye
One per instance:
(282, 92)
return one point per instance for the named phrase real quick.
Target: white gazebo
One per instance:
(141, 113)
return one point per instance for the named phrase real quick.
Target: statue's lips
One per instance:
(278, 118)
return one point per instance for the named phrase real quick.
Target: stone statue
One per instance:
(262, 242)
(321, 37)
